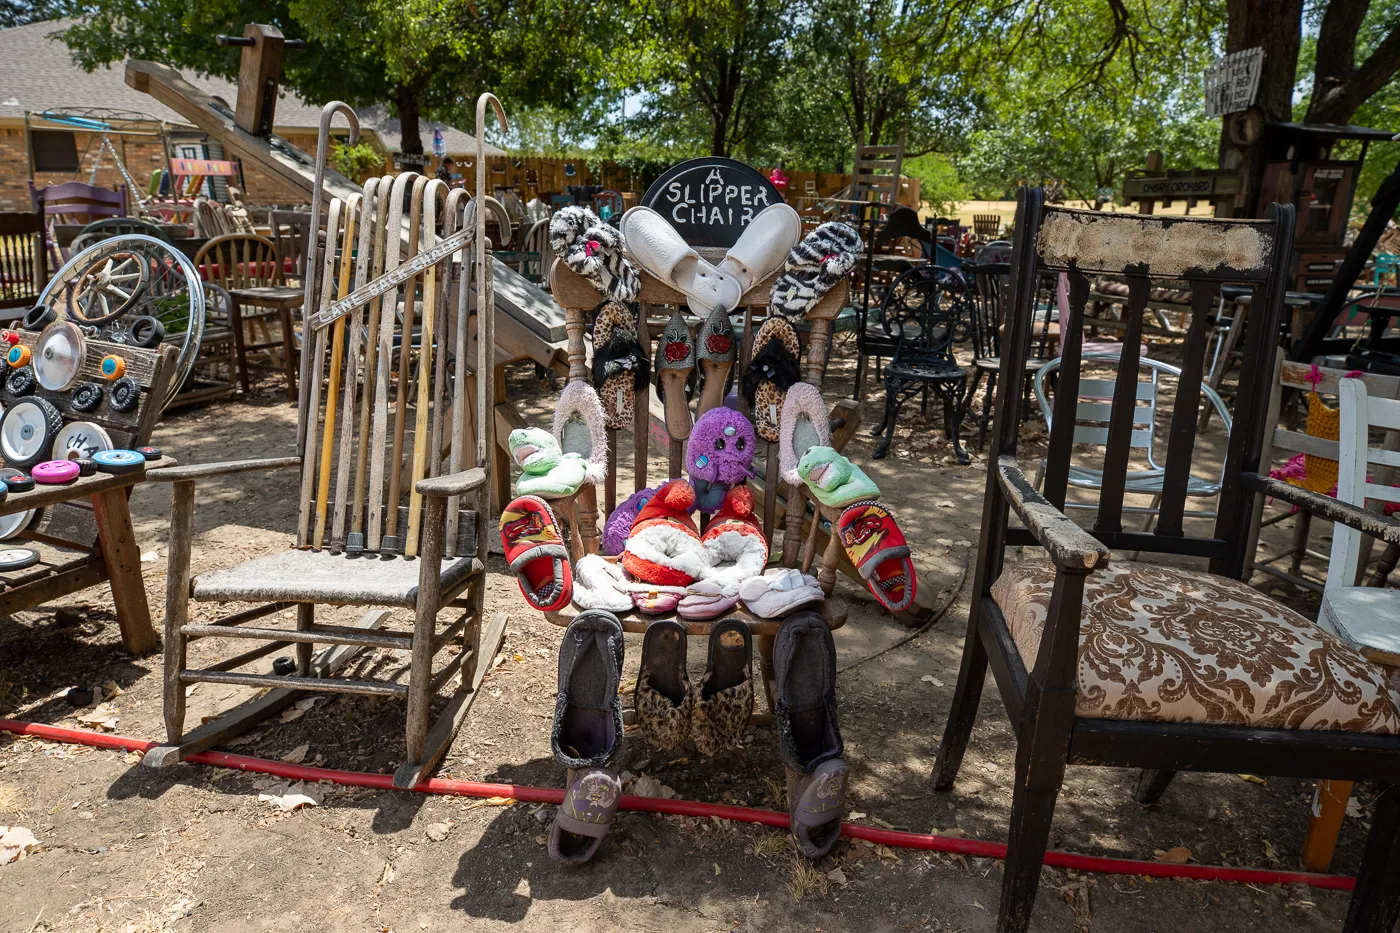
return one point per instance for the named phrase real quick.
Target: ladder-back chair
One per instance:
(392, 511)
(1048, 625)
(250, 269)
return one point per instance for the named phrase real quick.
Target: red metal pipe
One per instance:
(896, 838)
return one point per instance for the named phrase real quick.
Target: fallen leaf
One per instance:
(647, 786)
(930, 679)
(1176, 855)
(882, 824)
(15, 843)
(1252, 778)
(978, 904)
(492, 802)
(885, 852)
(289, 796)
(103, 716)
(838, 876)
(111, 689)
(945, 504)
(437, 831)
(716, 869)
(856, 815)
(289, 715)
(148, 557)
(540, 840)
(1353, 808)
(297, 755)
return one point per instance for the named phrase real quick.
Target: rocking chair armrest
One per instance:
(195, 471)
(1070, 547)
(1315, 503)
(453, 484)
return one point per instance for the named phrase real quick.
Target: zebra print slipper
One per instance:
(593, 250)
(823, 258)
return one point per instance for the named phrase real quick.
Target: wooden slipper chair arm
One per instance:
(1071, 548)
(195, 471)
(1315, 503)
(453, 484)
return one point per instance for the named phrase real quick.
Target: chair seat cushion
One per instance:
(323, 577)
(1163, 644)
(1365, 617)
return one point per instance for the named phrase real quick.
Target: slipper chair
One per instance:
(1236, 682)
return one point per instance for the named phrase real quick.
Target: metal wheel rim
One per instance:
(168, 297)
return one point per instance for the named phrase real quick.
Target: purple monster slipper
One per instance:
(619, 523)
(719, 455)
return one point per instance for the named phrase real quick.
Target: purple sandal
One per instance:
(585, 816)
(816, 802)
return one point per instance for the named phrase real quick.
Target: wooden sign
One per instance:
(186, 167)
(1232, 82)
(711, 200)
(409, 158)
(1180, 185)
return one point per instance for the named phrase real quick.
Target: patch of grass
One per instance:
(806, 881)
(771, 844)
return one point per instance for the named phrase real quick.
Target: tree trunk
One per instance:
(1277, 27)
(407, 104)
(1340, 86)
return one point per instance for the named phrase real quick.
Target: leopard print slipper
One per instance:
(725, 699)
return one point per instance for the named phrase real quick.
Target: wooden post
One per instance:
(177, 605)
(574, 326)
(257, 80)
(123, 559)
(641, 417)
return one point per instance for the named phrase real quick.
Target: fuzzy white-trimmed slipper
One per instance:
(598, 583)
(823, 258)
(805, 423)
(593, 250)
(579, 428)
(763, 246)
(658, 248)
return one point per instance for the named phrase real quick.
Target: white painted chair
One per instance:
(1366, 617)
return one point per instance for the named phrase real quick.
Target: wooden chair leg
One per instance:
(963, 713)
(177, 607)
(1032, 810)
(1375, 903)
(306, 618)
(1151, 784)
(240, 345)
(952, 424)
(984, 424)
(289, 354)
(1302, 526)
(889, 425)
(1324, 823)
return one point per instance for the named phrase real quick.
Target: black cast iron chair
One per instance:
(927, 309)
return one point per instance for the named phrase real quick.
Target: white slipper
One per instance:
(656, 246)
(597, 585)
(764, 245)
(779, 591)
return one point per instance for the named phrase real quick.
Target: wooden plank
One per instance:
(423, 407)
(309, 467)
(373, 313)
(1182, 438)
(1120, 428)
(370, 208)
(85, 573)
(337, 364)
(405, 326)
(329, 634)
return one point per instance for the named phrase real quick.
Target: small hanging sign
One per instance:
(1232, 82)
(711, 200)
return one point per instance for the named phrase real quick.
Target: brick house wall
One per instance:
(142, 156)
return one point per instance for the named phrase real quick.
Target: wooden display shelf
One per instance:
(833, 611)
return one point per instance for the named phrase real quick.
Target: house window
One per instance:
(54, 151)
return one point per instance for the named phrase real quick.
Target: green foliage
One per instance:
(357, 162)
(940, 185)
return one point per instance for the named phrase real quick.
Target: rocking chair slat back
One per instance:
(380, 391)
(1202, 253)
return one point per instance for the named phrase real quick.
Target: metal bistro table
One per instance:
(65, 569)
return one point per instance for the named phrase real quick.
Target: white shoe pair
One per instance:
(658, 248)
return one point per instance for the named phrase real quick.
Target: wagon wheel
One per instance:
(171, 292)
(109, 287)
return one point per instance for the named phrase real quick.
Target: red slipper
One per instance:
(536, 553)
(878, 550)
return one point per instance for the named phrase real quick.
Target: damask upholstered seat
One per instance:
(1165, 644)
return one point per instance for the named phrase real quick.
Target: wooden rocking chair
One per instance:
(1047, 625)
(382, 477)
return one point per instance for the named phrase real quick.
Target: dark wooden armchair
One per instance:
(1149, 664)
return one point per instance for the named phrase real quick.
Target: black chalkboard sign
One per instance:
(710, 201)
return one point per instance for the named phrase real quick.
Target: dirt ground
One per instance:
(124, 848)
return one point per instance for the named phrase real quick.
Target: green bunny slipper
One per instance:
(833, 479)
(548, 470)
